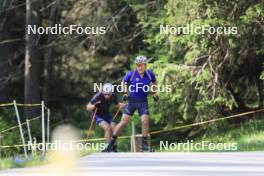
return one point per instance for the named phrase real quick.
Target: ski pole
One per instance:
(91, 125)
(117, 112)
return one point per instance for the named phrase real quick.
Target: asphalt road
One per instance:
(156, 164)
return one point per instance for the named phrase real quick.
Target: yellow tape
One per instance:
(6, 104)
(13, 146)
(34, 118)
(88, 140)
(160, 131)
(28, 104)
(8, 129)
(205, 122)
(100, 139)
(18, 104)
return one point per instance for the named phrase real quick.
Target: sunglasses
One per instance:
(106, 94)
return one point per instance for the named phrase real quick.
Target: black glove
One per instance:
(155, 98)
(125, 97)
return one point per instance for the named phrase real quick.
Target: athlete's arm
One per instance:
(91, 107)
(154, 89)
(94, 102)
(125, 92)
(124, 85)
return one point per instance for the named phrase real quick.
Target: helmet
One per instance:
(108, 88)
(141, 60)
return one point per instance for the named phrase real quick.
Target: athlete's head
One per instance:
(141, 62)
(107, 90)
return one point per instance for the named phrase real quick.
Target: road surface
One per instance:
(157, 164)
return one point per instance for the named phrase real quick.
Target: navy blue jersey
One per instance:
(139, 84)
(104, 106)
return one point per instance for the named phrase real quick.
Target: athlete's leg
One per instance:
(121, 124)
(128, 112)
(113, 125)
(118, 128)
(145, 125)
(107, 130)
(144, 114)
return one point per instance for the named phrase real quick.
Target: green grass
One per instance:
(248, 136)
(252, 142)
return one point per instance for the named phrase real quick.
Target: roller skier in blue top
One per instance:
(137, 82)
(102, 101)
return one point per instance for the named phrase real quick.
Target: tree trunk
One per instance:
(32, 64)
(54, 15)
